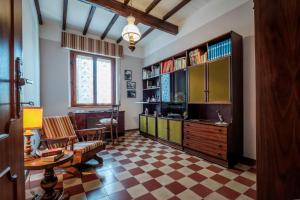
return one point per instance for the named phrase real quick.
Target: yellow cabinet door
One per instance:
(143, 124)
(152, 126)
(162, 128)
(197, 84)
(219, 81)
(175, 131)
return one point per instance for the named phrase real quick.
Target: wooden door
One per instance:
(277, 44)
(11, 144)
(197, 84)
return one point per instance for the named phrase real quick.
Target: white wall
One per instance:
(55, 83)
(240, 20)
(31, 60)
(132, 109)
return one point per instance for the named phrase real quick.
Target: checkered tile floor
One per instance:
(139, 168)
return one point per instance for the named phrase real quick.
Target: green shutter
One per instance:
(143, 124)
(175, 131)
(152, 126)
(162, 128)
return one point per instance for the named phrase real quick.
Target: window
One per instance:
(92, 80)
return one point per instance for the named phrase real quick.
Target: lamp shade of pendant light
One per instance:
(131, 32)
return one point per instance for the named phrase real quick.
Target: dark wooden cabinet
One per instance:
(208, 139)
(89, 119)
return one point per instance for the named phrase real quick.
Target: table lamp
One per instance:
(32, 119)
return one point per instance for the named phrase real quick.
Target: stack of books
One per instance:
(180, 63)
(219, 50)
(167, 66)
(50, 155)
(197, 58)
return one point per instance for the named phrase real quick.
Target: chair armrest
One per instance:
(91, 134)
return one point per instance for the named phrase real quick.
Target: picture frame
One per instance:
(131, 85)
(128, 75)
(131, 93)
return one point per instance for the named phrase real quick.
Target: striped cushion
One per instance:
(82, 147)
(56, 127)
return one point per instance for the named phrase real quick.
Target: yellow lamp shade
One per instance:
(32, 118)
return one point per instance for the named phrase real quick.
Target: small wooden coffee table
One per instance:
(50, 179)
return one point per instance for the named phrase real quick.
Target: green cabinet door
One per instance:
(197, 84)
(162, 128)
(152, 126)
(175, 131)
(219, 81)
(143, 124)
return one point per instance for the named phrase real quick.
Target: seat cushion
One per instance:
(81, 148)
(84, 147)
(107, 121)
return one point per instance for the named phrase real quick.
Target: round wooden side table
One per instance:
(50, 179)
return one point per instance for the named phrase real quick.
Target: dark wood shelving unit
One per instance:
(216, 66)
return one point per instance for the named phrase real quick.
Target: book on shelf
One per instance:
(167, 66)
(219, 50)
(196, 57)
(53, 158)
(49, 152)
(180, 63)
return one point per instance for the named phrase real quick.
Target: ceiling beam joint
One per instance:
(89, 19)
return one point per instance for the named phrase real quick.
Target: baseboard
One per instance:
(247, 161)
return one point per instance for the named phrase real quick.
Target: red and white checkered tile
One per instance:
(139, 168)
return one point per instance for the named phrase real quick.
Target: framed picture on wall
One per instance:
(131, 85)
(131, 93)
(128, 75)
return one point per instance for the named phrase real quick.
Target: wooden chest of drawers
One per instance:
(207, 139)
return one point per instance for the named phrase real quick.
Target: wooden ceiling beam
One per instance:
(141, 16)
(168, 15)
(38, 11)
(148, 9)
(89, 19)
(126, 2)
(111, 23)
(152, 5)
(175, 9)
(65, 13)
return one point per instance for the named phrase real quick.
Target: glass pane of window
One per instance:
(84, 80)
(104, 82)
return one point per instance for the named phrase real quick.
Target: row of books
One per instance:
(50, 155)
(220, 49)
(196, 57)
(154, 71)
(180, 63)
(167, 66)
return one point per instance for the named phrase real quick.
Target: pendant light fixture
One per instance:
(131, 32)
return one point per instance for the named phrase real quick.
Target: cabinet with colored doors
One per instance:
(151, 126)
(143, 124)
(210, 82)
(169, 130)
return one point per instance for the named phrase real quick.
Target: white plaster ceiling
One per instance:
(78, 12)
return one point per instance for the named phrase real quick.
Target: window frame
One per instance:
(73, 55)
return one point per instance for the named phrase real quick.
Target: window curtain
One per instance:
(90, 45)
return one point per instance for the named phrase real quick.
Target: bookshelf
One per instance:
(194, 84)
